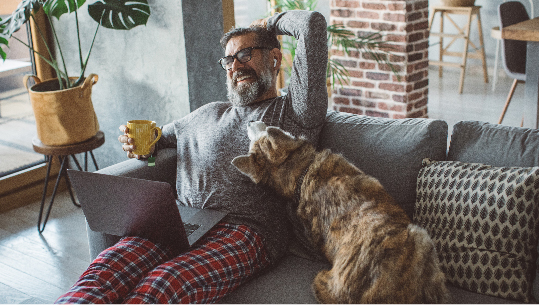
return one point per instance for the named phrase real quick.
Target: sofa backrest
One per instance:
(493, 144)
(391, 150)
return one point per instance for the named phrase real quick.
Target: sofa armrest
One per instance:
(164, 171)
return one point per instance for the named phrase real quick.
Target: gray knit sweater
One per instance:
(210, 137)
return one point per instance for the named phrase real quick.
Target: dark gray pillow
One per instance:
(391, 150)
(493, 144)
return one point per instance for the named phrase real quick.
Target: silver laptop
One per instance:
(125, 206)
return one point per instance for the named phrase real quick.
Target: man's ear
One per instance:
(278, 56)
(247, 166)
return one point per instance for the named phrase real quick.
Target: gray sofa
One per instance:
(392, 151)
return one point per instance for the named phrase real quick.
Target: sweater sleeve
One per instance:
(307, 91)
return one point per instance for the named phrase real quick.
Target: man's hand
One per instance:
(260, 22)
(128, 145)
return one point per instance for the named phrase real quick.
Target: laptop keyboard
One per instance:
(190, 228)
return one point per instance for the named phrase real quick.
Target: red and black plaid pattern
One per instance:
(137, 271)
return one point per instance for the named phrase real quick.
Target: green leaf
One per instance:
(120, 14)
(19, 17)
(57, 8)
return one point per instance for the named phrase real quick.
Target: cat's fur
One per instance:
(377, 255)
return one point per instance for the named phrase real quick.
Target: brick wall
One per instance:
(373, 89)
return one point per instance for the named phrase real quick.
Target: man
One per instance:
(255, 232)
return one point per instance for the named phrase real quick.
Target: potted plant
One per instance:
(338, 36)
(62, 106)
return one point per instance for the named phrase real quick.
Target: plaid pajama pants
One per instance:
(136, 270)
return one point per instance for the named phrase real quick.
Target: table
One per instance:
(528, 31)
(63, 152)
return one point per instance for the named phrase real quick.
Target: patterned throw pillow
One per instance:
(484, 222)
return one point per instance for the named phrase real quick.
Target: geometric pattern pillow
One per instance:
(484, 223)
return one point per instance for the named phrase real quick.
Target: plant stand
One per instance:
(63, 152)
(463, 33)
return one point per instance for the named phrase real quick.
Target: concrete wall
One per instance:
(159, 72)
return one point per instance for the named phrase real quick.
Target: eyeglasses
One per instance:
(243, 56)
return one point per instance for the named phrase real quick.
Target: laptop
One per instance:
(125, 206)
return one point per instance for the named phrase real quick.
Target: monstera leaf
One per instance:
(57, 8)
(19, 17)
(120, 14)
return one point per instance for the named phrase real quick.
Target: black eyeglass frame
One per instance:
(235, 56)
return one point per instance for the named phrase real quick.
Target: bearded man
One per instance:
(255, 233)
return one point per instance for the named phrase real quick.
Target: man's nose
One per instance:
(236, 64)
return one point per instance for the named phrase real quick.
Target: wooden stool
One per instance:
(464, 33)
(63, 152)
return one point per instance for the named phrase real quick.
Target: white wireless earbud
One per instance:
(275, 62)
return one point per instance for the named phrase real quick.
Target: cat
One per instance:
(377, 254)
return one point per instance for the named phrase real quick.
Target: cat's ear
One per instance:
(246, 165)
(281, 144)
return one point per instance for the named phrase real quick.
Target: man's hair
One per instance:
(263, 37)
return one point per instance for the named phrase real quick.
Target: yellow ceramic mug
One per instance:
(143, 132)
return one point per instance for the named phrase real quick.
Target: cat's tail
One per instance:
(426, 267)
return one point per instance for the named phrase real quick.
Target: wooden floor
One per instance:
(38, 268)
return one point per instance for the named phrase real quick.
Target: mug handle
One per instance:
(158, 135)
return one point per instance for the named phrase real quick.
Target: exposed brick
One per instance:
(392, 68)
(399, 98)
(363, 103)
(396, 6)
(421, 103)
(363, 84)
(396, 58)
(341, 100)
(398, 116)
(341, 13)
(368, 15)
(377, 76)
(346, 3)
(421, 84)
(424, 25)
(415, 77)
(391, 87)
(367, 65)
(394, 17)
(396, 38)
(369, 56)
(415, 37)
(377, 95)
(356, 73)
(347, 63)
(383, 26)
(350, 92)
(377, 114)
(374, 6)
(415, 57)
(421, 5)
(350, 110)
(414, 16)
(421, 46)
(357, 24)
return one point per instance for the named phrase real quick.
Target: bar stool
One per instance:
(63, 152)
(463, 33)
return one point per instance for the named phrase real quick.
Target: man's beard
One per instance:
(246, 94)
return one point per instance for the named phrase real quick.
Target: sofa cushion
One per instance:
(493, 144)
(497, 145)
(484, 222)
(390, 150)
